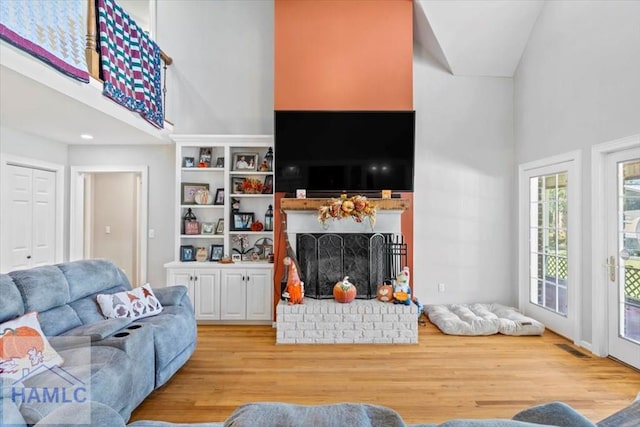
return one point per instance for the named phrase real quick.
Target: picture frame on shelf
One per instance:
(220, 162)
(245, 162)
(219, 200)
(216, 252)
(187, 253)
(268, 185)
(191, 227)
(236, 257)
(242, 220)
(207, 228)
(236, 185)
(267, 251)
(220, 226)
(189, 191)
(188, 162)
(205, 157)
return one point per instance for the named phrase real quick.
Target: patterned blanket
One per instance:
(130, 63)
(53, 31)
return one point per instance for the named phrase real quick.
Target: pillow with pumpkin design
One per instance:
(24, 347)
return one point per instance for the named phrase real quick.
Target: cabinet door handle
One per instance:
(248, 277)
(28, 256)
(195, 278)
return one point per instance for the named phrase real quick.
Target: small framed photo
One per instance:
(216, 252)
(220, 226)
(236, 185)
(220, 162)
(268, 185)
(191, 227)
(245, 161)
(242, 220)
(267, 251)
(188, 162)
(236, 257)
(205, 157)
(187, 253)
(189, 190)
(219, 200)
(301, 193)
(207, 228)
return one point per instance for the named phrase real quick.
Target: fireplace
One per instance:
(368, 254)
(367, 258)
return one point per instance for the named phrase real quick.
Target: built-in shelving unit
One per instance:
(241, 291)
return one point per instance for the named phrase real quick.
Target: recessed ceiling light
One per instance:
(86, 136)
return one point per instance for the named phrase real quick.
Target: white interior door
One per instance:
(622, 192)
(29, 225)
(550, 243)
(43, 249)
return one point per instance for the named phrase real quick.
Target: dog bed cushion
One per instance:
(482, 319)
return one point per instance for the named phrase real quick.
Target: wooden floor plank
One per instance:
(441, 378)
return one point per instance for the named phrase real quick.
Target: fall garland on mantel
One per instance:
(357, 207)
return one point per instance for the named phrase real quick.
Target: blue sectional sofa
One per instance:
(128, 359)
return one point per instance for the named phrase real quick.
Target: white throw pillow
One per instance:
(24, 348)
(136, 304)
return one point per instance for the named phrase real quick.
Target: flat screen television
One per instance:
(344, 151)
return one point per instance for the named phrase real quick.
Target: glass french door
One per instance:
(623, 235)
(550, 244)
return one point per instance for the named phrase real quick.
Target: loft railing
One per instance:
(92, 54)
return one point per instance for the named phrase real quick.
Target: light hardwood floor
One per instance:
(442, 377)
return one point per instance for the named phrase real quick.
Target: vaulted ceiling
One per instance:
(476, 38)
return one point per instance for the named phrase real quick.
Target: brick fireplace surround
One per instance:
(359, 322)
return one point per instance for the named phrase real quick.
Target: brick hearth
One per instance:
(358, 322)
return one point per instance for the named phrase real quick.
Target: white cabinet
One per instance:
(247, 294)
(204, 289)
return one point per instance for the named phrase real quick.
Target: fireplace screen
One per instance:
(367, 258)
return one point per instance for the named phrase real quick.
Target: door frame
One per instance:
(573, 160)
(76, 209)
(59, 170)
(600, 311)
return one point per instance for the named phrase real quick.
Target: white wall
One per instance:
(464, 186)
(115, 206)
(221, 81)
(160, 160)
(578, 84)
(31, 146)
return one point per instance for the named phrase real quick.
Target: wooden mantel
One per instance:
(314, 204)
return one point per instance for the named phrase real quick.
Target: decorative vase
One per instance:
(344, 291)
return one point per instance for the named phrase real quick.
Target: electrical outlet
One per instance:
(440, 287)
(152, 233)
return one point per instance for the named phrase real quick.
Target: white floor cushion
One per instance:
(482, 319)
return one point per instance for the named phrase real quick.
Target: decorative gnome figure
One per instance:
(294, 291)
(401, 288)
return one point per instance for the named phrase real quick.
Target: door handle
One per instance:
(612, 268)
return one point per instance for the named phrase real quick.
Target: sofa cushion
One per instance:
(88, 277)
(287, 415)
(136, 304)
(555, 413)
(57, 320)
(24, 348)
(11, 305)
(42, 287)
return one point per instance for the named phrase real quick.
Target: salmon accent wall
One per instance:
(343, 55)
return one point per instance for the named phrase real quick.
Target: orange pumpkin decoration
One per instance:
(17, 342)
(344, 291)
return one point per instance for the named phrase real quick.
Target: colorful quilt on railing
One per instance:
(53, 31)
(131, 64)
